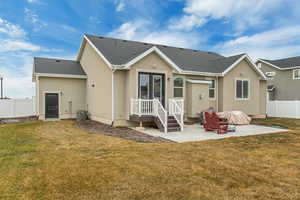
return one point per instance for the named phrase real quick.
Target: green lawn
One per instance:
(56, 160)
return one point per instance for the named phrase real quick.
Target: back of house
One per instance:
(123, 82)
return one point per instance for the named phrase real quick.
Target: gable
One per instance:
(245, 59)
(243, 70)
(152, 62)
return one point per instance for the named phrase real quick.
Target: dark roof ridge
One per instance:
(281, 58)
(38, 57)
(152, 44)
(238, 55)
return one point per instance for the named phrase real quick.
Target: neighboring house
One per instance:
(122, 82)
(283, 78)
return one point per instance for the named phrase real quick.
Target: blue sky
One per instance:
(54, 28)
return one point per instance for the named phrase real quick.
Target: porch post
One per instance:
(140, 107)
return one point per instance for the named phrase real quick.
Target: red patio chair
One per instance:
(212, 122)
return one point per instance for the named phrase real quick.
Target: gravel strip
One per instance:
(121, 132)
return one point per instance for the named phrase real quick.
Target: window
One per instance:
(178, 87)
(296, 74)
(212, 89)
(242, 88)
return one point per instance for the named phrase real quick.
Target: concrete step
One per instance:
(173, 129)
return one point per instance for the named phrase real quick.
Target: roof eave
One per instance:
(54, 75)
(270, 64)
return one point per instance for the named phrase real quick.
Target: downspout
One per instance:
(113, 98)
(217, 99)
(37, 95)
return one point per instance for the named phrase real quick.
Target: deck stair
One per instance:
(173, 125)
(166, 120)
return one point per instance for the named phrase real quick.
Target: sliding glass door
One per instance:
(152, 86)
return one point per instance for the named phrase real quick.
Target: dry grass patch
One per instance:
(56, 160)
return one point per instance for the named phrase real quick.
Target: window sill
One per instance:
(239, 99)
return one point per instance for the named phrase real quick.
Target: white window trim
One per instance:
(161, 83)
(249, 91)
(140, 92)
(155, 72)
(212, 98)
(294, 73)
(183, 87)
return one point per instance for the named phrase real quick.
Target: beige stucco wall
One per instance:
(220, 94)
(120, 94)
(99, 97)
(71, 95)
(263, 97)
(212, 102)
(250, 106)
(152, 64)
(196, 98)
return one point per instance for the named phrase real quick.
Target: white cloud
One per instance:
(187, 22)
(242, 13)
(145, 31)
(272, 44)
(33, 18)
(10, 29)
(16, 56)
(17, 45)
(130, 29)
(120, 5)
(17, 76)
(13, 38)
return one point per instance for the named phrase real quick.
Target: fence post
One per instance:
(297, 109)
(14, 108)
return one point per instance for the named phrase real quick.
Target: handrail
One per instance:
(176, 109)
(150, 107)
(162, 114)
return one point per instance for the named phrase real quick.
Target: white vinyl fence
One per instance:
(13, 108)
(288, 109)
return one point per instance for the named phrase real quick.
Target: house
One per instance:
(123, 82)
(283, 78)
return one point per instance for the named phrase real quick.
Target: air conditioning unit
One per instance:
(270, 74)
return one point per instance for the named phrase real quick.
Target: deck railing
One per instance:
(161, 113)
(176, 109)
(141, 107)
(154, 107)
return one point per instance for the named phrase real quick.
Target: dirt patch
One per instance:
(121, 132)
(18, 120)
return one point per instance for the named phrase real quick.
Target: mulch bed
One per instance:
(121, 132)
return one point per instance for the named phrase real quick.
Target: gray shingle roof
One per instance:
(57, 66)
(286, 62)
(120, 52)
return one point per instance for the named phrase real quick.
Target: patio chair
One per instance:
(213, 123)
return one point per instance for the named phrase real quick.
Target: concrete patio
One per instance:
(192, 133)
